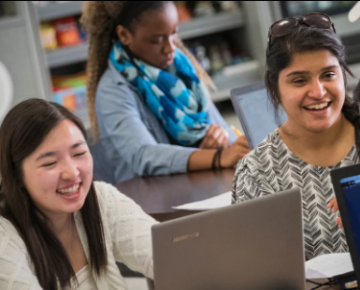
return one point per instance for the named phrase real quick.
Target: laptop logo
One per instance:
(185, 237)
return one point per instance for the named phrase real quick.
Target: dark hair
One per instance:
(132, 12)
(301, 39)
(23, 130)
(356, 93)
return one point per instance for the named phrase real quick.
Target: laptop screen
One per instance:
(256, 113)
(351, 193)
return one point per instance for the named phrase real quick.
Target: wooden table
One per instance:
(157, 195)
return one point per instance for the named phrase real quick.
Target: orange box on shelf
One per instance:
(70, 102)
(67, 32)
(71, 98)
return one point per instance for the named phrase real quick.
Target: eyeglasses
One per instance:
(283, 27)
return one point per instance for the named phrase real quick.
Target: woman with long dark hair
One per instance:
(148, 102)
(58, 228)
(305, 76)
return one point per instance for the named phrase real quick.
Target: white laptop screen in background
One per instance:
(256, 113)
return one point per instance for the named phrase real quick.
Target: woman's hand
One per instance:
(334, 208)
(216, 137)
(333, 205)
(202, 159)
(339, 222)
(231, 155)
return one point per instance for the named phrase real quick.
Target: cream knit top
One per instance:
(127, 231)
(85, 280)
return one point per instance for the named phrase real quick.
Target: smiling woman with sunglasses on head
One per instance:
(58, 228)
(306, 76)
(147, 97)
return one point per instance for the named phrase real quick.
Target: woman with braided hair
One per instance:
(148, 103)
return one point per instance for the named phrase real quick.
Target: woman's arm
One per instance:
(124, 135)
(15, 271)
(219, 134)
(202, 159)
(217, 119)
(130, 229)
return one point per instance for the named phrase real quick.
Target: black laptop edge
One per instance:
(336, 176)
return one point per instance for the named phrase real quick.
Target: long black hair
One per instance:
(356, 93)
(302, 39)
(23, 130)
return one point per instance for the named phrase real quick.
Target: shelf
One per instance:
(193, 28)
(211, 24)
(196, 27)
(67, 55)
(10, 21)
(234, 77)
(59, 10)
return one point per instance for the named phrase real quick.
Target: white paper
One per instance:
(329, 265)
(210, 203)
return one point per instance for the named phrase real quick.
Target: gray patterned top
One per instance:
(271, 167)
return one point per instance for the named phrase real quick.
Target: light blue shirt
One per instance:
(132, 140)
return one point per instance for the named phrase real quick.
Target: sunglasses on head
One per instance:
(283, 27)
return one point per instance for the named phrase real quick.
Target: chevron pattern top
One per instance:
(271, 167)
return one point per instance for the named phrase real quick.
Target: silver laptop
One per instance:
(255, 245)
(255, 112)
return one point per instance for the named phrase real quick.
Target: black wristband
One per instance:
(213, 164)
(216, 159)
(220, 150)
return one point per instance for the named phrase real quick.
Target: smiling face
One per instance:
(58, 174)
(312, 91)
(153, 37)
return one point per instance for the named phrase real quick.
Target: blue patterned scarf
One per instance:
(181, 102)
